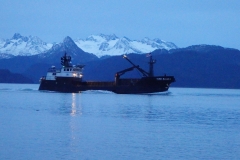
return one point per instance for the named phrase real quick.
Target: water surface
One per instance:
(182, 123)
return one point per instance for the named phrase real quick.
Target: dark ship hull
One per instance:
(124, 86)
(69, 79)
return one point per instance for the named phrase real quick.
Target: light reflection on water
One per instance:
(179, 124)
(76, 105)
(73, 104)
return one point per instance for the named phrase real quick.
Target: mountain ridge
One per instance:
(23, 45)
(100, 45)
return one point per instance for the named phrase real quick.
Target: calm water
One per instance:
(180, 124)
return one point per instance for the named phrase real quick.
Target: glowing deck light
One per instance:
(74, 75)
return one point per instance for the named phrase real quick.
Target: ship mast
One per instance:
(66, 60)
(151, 62)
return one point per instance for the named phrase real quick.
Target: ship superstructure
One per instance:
(67, 72)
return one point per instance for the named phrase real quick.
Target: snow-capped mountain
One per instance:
(22, 45)
(101, 45)
(68, 46)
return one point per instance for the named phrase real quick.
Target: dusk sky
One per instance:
(183, 22)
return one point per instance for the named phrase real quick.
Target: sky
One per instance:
(183, 22)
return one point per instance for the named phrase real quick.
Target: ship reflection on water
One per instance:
(76, 105)
(73, 106)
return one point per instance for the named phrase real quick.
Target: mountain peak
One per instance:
(108, 37)
(17, 36)
(67, 45)
(68, 40)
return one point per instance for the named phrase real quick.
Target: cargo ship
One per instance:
(69, 79)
